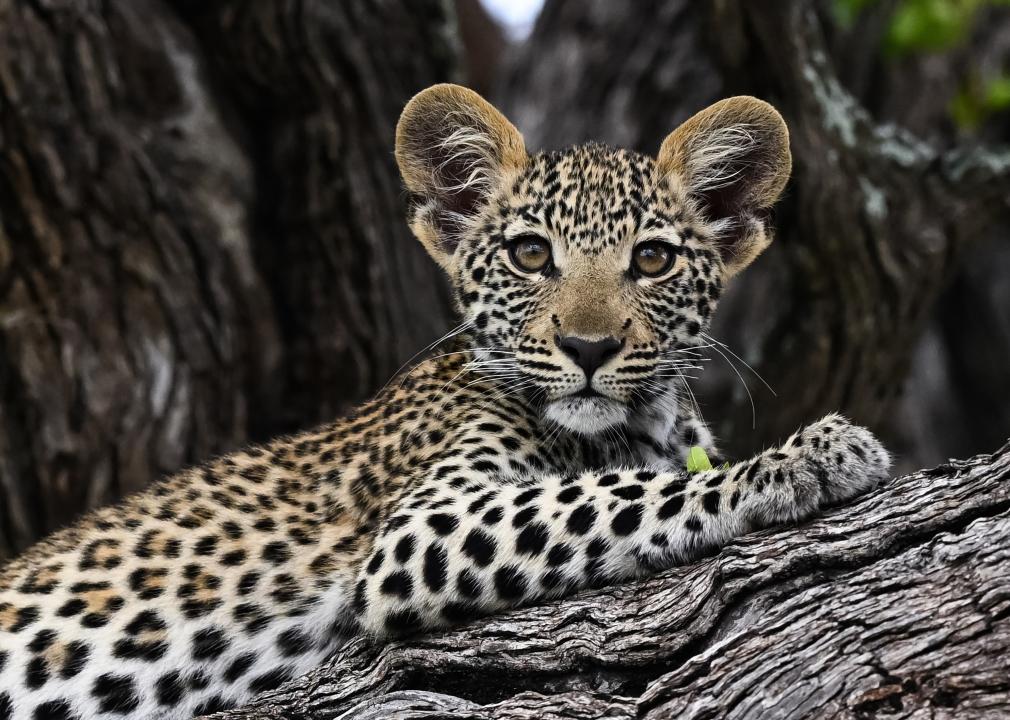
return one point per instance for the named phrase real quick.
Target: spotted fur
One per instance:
(496, 473)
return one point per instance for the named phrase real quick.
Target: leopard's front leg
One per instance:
(466, 543)
(824, 463)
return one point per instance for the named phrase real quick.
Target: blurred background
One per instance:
(202, 235)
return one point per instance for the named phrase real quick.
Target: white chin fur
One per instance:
(586, 416)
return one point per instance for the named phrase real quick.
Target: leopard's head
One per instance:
(585, 276)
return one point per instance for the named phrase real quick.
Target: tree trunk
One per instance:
(872, 229)
(896, 604)
(201, 232)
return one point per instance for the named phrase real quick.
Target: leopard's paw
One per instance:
(846, 459)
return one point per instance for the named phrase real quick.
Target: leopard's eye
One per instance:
(530, 253)
(652, 258)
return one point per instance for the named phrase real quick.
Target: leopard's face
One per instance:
(585, 285)
(586, 276)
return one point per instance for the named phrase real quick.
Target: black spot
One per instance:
(398, 583)
(209, 643)
(146, 651)
(627, 520)
(456, 612)
(551, 579)
(443, 523)
(436, 567)
(710, 501)
(94, 620)
(198, 680)
(213, 705)
(75, 659)
(71, 607)
(233, 558)
(25, 617)
(206, 545)
(265, 525)
(608, 480)
(36, 673)
(510, 583)
(582, 519)
(270, 680)
(523, 517)
(49, 710)
(169, 689)
(375, 563)
(596, 548)
(492, 516)
(139, 582)
(528, 496)
(404, 548)
(145, 620)
(734, 500)
(293, 642)
(628, 492)
(6, 706)
(276, 552)
(480, 546)
(569, 494)
(117, 693)
(42, 640)
(560, 554)
(402, 622)
(693, 524)
(468, 584)
(252, 615)
(239, 666)
(247, 583)
(533, 539)
(396, 522)
(671, 507)
(477, 505)
(674, 487)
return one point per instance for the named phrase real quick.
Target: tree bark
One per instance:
(897, 604)
(201, 232)
(872, 229)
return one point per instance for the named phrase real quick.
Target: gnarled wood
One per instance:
(201, 232)
(898, 602)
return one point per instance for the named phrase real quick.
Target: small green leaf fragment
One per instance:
(697, 460)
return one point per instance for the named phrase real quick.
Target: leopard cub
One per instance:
(540, 450)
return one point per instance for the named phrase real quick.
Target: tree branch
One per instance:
(898, 601)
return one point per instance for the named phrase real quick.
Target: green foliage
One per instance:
(931, 26)
(697, 460)
(978, 100)
(920, 25)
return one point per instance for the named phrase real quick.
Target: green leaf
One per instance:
(930, 25)
(697, 460)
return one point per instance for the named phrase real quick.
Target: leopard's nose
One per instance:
(590, 355)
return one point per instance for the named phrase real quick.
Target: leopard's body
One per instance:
(502, 470)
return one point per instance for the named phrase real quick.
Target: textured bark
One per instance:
(896, 604)
(872, 228)
(201, 232)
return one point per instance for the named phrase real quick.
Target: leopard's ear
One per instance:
(733, 157)
(454, 149)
